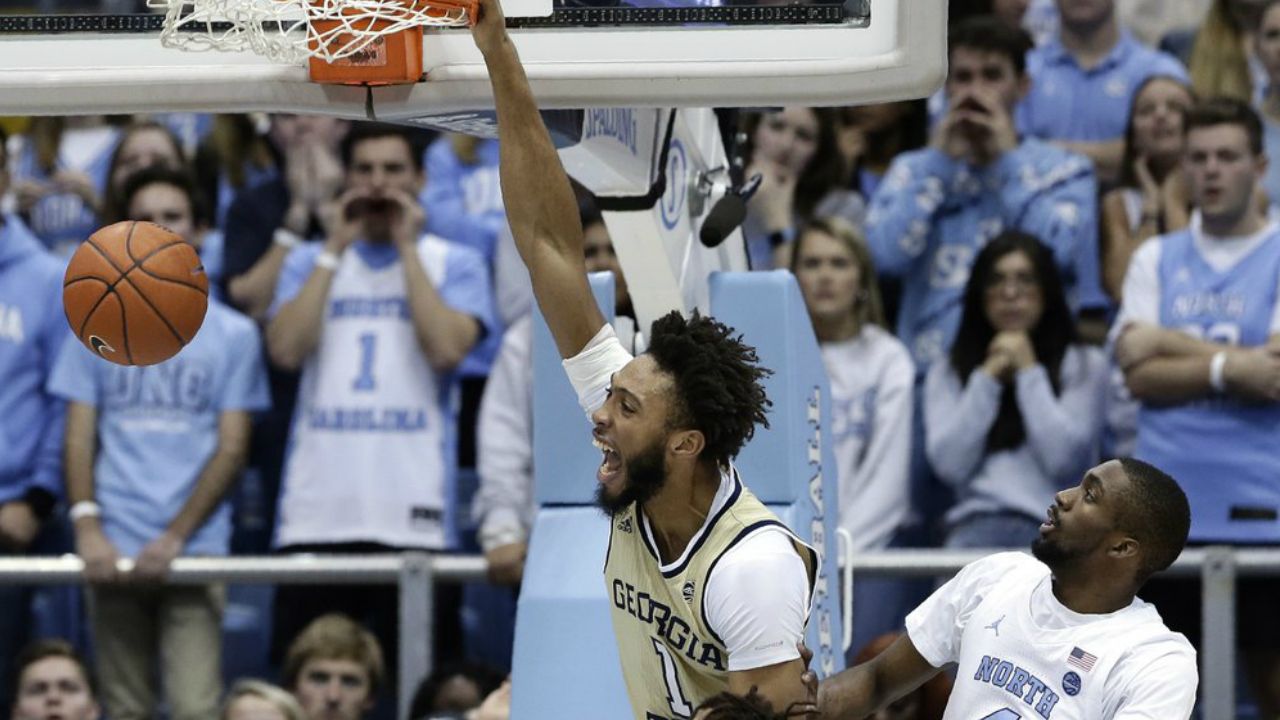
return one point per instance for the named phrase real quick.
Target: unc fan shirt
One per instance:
(158, 425)
(932, 215)
(1235, 305)
(1021, 655)
(371, 449)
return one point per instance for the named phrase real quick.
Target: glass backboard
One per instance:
(69, 56)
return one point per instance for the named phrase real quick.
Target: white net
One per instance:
(292, 31)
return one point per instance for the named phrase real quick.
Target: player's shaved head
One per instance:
(1155, 511)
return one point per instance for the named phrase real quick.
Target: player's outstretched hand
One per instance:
(810, 680)
(490, 29)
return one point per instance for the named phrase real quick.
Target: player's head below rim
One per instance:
(1124, 522)
(680, 411)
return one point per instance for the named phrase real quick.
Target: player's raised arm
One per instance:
(540, 204)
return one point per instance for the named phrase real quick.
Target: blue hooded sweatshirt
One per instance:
(32, 330)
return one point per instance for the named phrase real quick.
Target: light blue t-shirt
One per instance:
(1069, 103)
(932, 215)
(464, 205)
(1221, 450)
(158, 426)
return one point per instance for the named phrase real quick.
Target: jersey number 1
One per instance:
(1005, 714)
(675, 695)
(364, 380)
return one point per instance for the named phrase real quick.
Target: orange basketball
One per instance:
(135, 293)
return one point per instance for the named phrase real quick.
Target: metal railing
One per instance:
(1217, 567)
(415, 573)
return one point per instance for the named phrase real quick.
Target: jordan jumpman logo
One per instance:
(995, 626)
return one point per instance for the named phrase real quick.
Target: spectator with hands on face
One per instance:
(939, 206)
(377, 317)
(266, 222)
(1152, 197)
(795, 152)
(1017, 411)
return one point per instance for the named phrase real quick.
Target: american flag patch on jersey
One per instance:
(1081, 659)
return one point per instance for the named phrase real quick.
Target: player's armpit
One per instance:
(781, 684)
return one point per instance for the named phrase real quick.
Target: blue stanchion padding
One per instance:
(790, 466)
(564, 460)
(566, 659)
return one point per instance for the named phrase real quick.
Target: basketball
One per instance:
(135, 293)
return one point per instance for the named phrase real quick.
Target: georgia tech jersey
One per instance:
(672, 658)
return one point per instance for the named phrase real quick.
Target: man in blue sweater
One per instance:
(939, 206)
(32, 328)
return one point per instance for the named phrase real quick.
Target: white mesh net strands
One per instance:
(292, 31)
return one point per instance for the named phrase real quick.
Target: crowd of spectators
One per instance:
(1070, 252)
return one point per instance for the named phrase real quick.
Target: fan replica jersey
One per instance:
(1022, 655)
(372, 439)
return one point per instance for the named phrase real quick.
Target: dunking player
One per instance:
(1060, 636)
(709, 591)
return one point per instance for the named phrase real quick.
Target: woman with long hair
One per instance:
(1267, 47)
(1015, 414)
(143, 144)
(1220, 59)
(872, 381)
(1151, 198)
(795, 152)
(871, 377)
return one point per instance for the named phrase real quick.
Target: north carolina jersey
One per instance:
(672, 657)
(1021, 654)
(371, 447)
(1235, 305)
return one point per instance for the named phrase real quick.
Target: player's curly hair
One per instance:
(717, 378)
(752, 706)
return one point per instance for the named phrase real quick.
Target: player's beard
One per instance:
(1049, 552)
(646, 474)
(1052, 552)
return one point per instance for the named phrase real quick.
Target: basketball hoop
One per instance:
(354, 42)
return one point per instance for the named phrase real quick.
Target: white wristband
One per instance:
(84, 509)
(1216, 367)
(327, 260)
(286, 238)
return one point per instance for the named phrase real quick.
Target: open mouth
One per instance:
(1051, 520)
(610, 464)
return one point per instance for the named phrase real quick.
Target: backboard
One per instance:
(646, 53)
